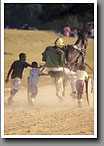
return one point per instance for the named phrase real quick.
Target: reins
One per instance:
(76, 57)
(89, 68)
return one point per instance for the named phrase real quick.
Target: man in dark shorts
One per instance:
(16, 71)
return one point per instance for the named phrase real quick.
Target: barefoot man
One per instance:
(16, 71)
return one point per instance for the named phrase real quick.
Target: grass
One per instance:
(33, 43)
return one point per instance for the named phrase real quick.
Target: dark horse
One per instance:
(75, 54)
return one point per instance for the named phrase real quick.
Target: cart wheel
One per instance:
(89, 91)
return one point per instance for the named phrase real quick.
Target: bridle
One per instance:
(75, 59)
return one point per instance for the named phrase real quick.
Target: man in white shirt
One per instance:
(81, 76)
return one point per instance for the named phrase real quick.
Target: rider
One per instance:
(55, 60)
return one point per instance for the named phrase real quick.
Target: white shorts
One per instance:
(54, 69)
(15, 83)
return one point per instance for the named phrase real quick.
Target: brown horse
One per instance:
(75, 54)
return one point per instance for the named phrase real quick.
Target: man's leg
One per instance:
(73, 80)
(34, 92)
(80, 99)
(66, 76)
(12, 93)
(64, 85)
(59, 87)
(15, 84)
(31, 99)
(33, 96)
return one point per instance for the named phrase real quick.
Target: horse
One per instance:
(75, 54)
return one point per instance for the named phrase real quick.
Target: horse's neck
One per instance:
(70, 52)
(81, 44)
(78, 41)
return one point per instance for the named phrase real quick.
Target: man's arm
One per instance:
(63, 60)
(9, 72)
(44, 56)
(43, 68)
(43, 74)
(27, 65)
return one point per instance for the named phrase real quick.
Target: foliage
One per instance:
(40, 15)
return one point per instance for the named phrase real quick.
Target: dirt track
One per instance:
(48, 116)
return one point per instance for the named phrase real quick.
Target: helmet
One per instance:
(59, 42)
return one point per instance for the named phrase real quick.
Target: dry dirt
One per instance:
(48, 116)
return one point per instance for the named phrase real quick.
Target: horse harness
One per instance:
(78, 55)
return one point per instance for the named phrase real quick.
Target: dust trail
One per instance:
(48, 116)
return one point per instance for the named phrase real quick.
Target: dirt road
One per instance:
(48, 116)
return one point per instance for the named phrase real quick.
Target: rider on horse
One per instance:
(55, 60)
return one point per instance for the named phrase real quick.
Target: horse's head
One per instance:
(74, 57)
(82, 40)
(82, 34)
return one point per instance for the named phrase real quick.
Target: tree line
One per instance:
(48, 16)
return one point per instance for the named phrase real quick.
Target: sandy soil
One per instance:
(48, 116)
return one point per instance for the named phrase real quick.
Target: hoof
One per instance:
(63, 94)
(73, 94)
(60, 97)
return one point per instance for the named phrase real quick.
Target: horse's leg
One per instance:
(58, 84)
(73, 85)
(64, 84)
